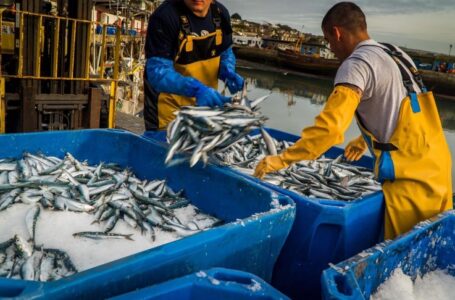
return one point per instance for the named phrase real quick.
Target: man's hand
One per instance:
(206, 96)
(355, 149)
(269, 164)
(234, 82)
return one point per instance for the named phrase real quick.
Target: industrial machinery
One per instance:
(55, 60)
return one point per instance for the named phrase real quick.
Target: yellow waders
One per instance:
(205, 71)
(415, 165)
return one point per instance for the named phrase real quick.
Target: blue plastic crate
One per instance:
(158, 135)
(110, 30)
(216, 283)
(429, 246)
(248, 241)
(324, 231)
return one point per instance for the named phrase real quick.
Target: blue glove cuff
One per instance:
(227, 72)
(227, 64)
(165, 79)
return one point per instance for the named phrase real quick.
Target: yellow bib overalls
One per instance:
(197, 57)
(415, 165)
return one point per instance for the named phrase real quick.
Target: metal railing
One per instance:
(69, 26)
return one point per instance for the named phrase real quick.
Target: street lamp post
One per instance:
(450, 48)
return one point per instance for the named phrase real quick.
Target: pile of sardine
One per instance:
(249, 150)
(202, 131)
(324, 178)
(20, 260)
(106, 191)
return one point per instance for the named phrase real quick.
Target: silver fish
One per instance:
(64, 203)
(31, 218)
(102, 235)
(269, 142)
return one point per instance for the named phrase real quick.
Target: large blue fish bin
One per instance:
(216, 283)
(430, 246)
(256, 219)
(324, 231)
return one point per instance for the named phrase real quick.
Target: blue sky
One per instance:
(419, 24)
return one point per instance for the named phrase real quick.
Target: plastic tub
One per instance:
(217, 283)
(250, 241)
(324, 231)
(429, 246)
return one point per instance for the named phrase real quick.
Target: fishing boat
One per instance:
(307, 63)
(290, 59)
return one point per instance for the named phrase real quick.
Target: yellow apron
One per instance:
(415, 165)
(206, 71)
(198, 57)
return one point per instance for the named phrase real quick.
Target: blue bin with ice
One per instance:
(256, 219)
(427, 250)
(324, 231)
(216, 283)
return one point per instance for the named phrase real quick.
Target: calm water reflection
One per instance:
(296, 100)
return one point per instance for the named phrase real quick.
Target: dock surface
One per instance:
(129, 122)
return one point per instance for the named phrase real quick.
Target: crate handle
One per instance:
(233, 276)
(341, 285)
(241, 282)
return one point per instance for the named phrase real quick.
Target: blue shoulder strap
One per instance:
(415, 73)
(407, 81)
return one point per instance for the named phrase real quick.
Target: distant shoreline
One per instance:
(247, 64)
(442, 84)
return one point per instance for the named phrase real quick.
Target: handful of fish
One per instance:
(203, 131)
(106, 192)
(323, 178)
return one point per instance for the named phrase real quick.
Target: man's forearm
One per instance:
(164, 78)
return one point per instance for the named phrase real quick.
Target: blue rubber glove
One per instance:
(163, 77)
(233, 80)
(206, 96)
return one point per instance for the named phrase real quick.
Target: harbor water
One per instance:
(296, 100)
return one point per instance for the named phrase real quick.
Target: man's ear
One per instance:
(337, 32)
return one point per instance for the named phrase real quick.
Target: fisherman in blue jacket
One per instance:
(188, 49)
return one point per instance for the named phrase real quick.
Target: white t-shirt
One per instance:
(372, 70)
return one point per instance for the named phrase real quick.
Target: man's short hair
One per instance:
(347, 15)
